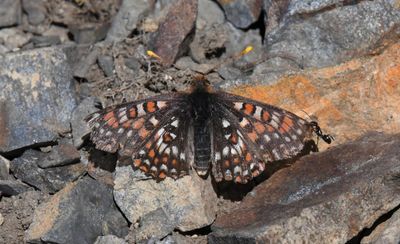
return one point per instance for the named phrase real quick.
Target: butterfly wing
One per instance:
(248, 134)
(149, 132)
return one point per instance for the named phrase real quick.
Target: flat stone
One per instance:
(78, 125)
(327, 197)
(209, 14)
(106, 63)
(45, 41)
(109, 239)
(49, 180)
(242, 13)
(36, 11)
(60, 155)
(10, 13)
(311, 6)
(187, 63)
(331, 37)
(13, 187)
(184, 204)
(40, 82)
(94, 214)
(127, 19)
(89, 33)
(173, 35)
(14, 38)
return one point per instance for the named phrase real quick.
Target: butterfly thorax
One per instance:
(201, 115)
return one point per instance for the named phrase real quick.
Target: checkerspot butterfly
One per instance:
(167, 134)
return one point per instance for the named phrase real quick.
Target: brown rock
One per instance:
(323, 198)
(347, 100)
(173, 36)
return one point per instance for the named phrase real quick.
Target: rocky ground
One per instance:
(337, 62)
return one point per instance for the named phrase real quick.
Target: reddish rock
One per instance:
(327, 197)
(173, 36)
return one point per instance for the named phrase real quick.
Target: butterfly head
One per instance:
(200, 84)
(326, 137)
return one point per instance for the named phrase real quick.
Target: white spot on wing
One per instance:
(217, 156)
(267, 138)
(140, 109)
(161, 104)
(225, 123)
(162, 147)
(175, 123)
(299, 131)
(238, 105)
(225, 151)
(154, 121)
(257, 113)
(129, 134)
(274, 124)
(244, 122)
(109, 133)
(175, 150)
(123, 119)
(182, 156)
(120, 130)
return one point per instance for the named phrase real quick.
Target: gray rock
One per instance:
(13, 187)
(4, 168)
(127, 19)
(90, 33)
(36, 90)
(45, 41)
(109, 239)
(242, 13)
(386, 232)
(331, 37)
(78, 125)
(326, 197)
(208, 14)
(60, 155)
(185, 204)
(106, 63)
(79, 213)
(14, 38)
(49, 180)
(311, 6)
(86, 61)
(187, 63)
(10, 13)
(36, 10)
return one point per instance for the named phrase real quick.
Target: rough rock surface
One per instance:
(386, 232)
(4, 168)
(17, 212)
(109, 239)
(185, 204)
(60, 155)
(174, 34)
(326, 197)
(242, 13)
(12, 187)
(79, 213)
(10, 13)
(36, 90)
(50, 180)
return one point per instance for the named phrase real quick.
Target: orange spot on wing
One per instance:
(233, 138)
(165, 159)
(174, 163)
(248, 109)
(248, 157)
(266, 116)
(227, 164)
(127, 124)
(238, 179)
(167, 137)
(137, 162)
(156, 161)
(260, 128)
(111, 121)
(115, 125)
(143, 133)
(144, 168)
(162, 175)
(253, 136)
(108, 116)
(152, 153)
(236, 160)
(148, 145)
(151, 107)
(287, 123)
(270, 128)
(138, 123)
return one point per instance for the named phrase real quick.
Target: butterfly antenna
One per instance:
(326, 137)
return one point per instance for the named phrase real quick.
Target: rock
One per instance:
(36, 90)
(17, 212)
(187, 63)
(60, 32)
(173, 36)
(36, 10)
(311, 7)
(332, 95)
(208, 14)
(94, 214)
(330, 37)
(242, 13)
(89, 33)
(49, 180)
(185, 204)
(1, 219)
(325, 197)
(85, 62)
(45, 41)
(78, 125)
(106, 63)
(10, 13)
(127, 19)
(12, 187)
(60, 155)
(109, 239)
(386, 232)
(14, 38)
(4, 168)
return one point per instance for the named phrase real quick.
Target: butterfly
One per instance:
(229, 136)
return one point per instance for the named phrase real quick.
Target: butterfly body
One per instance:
(168, 134)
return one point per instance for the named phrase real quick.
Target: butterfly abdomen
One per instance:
(201, 130)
